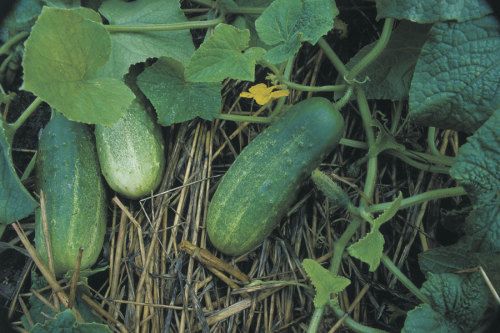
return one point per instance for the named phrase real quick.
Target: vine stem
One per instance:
(403, 279)
(300, 87)
(374, 52)
(242, 118)
(112, 28)
(13, 127)
(5, 48)
(420, 198)
(332, 56)
(431, 141)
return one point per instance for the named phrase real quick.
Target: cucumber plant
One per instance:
(436, 62)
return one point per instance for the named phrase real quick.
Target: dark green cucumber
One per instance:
(263, 181)
(69, 176)
(131, 153)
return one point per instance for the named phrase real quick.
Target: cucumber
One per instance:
(131, 153)
(262, 183)
(75, 199)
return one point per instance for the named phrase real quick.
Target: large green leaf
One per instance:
(225, 54)
(455, 84)
(324, 281)
(424, 319)
(477, 168)
(389, 76)
(287, 23)
(65, 322)
(130, 48)
(430, 11)
(176, 100)
(15, 201)
(62, 55)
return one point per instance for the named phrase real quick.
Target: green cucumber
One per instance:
(75, 199)
(262, 183)
(131, 153)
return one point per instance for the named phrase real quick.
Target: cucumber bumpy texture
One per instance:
(131, 153)
(75, 198)
(262, 183)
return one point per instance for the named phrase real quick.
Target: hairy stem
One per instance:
(374, 52)
(13, 127)
(420, 198)
(301, 87)
(332, 56)
(242, 118)
(164, 27)
(351, 323)
(431, 141)
(403, 279)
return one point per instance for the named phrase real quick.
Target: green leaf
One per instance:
(66, 322)
(225, 54)
(63, 3)
(62, 55)
(462, 299)
(176, 100)
(389, 212)
(390, 74)
(430, 11)
(20, 18)
(15, 201)
(131, 48)
(369, 249)
(455, 84)
(477, 168)
(247, 21)
(424, 319)
(324, 281)
(287, 23)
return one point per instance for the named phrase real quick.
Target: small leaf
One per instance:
(324, 281)
(15, 201)
(369, 249)
(62, 56)
(225, 54)
(130, 48)
(389, 212)
(66, 322)
(455, 84)
(430, 11)
(287, 23)
(176, 100)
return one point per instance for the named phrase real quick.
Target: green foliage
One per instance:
(225, 54)
(128, 48)
(458, 304)
(175, 99)
(285, 24)
(62, 3)
(62, 55)
(65, 321)
(389, 76)
(430, 11)
(477, 168)
(325, 282)
(15, 201)
(455, 84)
(20, 18)
(370, 248)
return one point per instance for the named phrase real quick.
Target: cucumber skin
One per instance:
(131, 153)
(75, 198)
(262, 183)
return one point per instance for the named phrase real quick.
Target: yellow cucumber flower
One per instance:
(262, 94)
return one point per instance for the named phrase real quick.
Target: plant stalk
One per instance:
(13, 127)
(242, 118)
